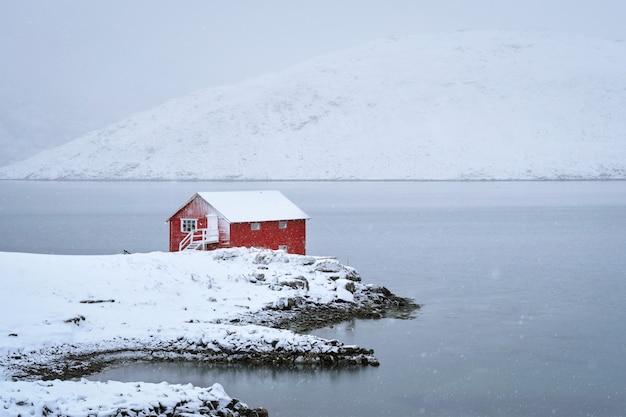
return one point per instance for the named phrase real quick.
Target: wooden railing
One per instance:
(199, 236)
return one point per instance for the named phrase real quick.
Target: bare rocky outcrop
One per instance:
(301, 315)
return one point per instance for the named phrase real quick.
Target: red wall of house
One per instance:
(196, 209)
(241, 234)
(270, 235)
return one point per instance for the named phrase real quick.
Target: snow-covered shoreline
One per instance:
(67, 316)
(111, 398)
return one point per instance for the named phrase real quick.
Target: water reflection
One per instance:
(204, 374)
(286, 391)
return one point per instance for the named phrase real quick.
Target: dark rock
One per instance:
(76, 320)
(259, 412)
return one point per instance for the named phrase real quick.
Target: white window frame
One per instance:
(282, 224)
(188, 225)
(255, 226)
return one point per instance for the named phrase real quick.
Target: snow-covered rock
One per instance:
(463, 105)
(86, 398)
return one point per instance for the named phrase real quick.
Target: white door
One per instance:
(213, 232)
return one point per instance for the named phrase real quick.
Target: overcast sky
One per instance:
(70, 66)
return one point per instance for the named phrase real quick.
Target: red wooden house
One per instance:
(211, 220)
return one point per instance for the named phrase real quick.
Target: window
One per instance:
(188, 225)
(255, 226)
(282, 224)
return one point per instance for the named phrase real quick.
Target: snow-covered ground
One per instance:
(462, 105)
(111, 398)
(63, 314)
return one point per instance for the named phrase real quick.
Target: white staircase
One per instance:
(193, 246)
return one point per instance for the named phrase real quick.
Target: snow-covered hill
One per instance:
(463, 105)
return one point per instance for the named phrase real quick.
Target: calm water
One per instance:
(523, 286)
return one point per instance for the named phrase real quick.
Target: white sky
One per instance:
(70, 66)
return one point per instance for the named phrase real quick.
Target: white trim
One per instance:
(184, 222)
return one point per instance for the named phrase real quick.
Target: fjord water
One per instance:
(522, 285)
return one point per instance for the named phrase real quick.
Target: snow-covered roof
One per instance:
(253, 206)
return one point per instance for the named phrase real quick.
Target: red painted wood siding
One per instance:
(196, 209)
(271, 236)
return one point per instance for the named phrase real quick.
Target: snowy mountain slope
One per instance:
(464, 105)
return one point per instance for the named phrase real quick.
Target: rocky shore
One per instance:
(370, 303)
(232, 345)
